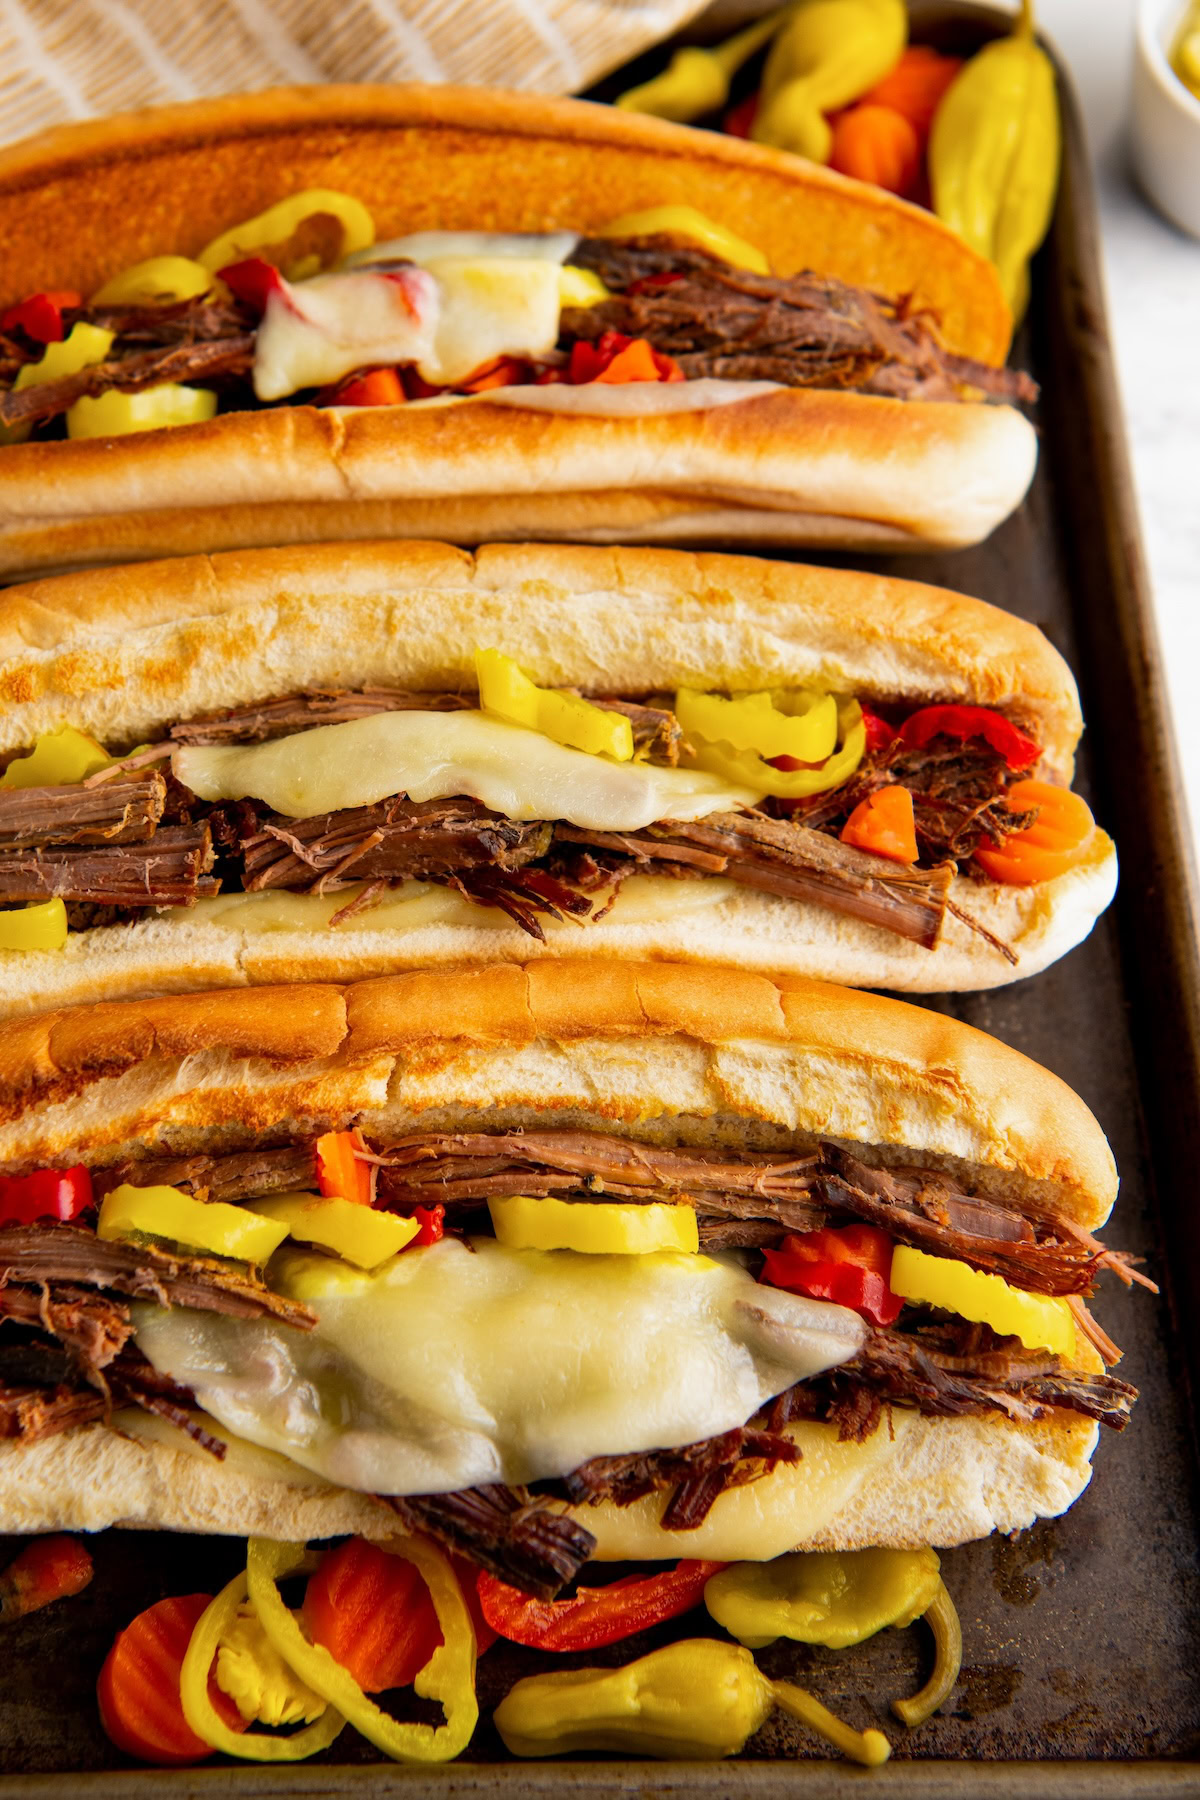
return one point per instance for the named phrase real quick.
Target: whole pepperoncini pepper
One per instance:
(994, 154)
(696, 80)
(698, 1700)
(828, 53)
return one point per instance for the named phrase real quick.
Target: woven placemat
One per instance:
(73, 59)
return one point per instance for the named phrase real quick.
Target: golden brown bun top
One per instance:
(124, 652)
(80, 202)
(792, 1053)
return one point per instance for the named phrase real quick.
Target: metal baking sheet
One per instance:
(1081, 1671)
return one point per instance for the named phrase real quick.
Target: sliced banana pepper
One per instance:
(803, 725)
(58, 759)
(42, 926)
(448, 1676)
(300, 236)
(748, 769)
(506, 691)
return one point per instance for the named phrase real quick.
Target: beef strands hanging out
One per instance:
(779, 767)
(332, 368)
(738, 1410)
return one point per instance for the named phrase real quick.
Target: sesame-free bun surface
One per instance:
(795, 466)
(125, 653)
(656, 1051)
(935, 1481)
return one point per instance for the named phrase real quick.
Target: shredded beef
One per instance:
(509, 1531)
(129, 374)
(302, 712)
(912, 1369)
(170, 869)
(927, 1209)
(802, 330)
(243, 1175)
(389, 841)
(54, 1253)
(698, 1473)
(122, 811)
(93, 1327)
(777, 856)
(31, 1413)
(656, 730)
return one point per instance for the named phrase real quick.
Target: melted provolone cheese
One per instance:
(435, 756)
(314, 332)
(488, 307)
(454, 1367)
(422, 246)
(418, 905)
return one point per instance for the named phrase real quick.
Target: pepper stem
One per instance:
(868, 1747)
(942, 1619)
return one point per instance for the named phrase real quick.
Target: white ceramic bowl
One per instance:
(1166, 118)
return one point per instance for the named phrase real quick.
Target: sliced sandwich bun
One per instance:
(126, 653)
(784, 467)
(655, 1052)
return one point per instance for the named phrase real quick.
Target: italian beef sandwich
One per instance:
(347, 760)
(352, 312)
(550, 1264)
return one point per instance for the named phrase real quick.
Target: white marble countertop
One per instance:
(1153, 276)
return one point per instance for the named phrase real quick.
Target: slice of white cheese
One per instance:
(457, 1366)
(423, 246)
(489, 306)
(314, 332)
(436, 756)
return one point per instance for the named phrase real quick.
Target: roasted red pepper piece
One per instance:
(849, 1266)
(40, 317)
(878, 731)
(375, 387)
(740, 118)
(432, 1220)
(964, 722)
(616, 358)
(593, 1616)
(51, 1568)
(253, 280)
(46, 1194)
(340, 1169)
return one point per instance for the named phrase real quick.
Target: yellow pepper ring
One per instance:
(157, 281)
(214, 1622)
(295, 234)
(116, 414)
(506, 691)
(1041, 1321)
(688, 222)
(42, 926)
(448, 1676)
(747, 769)
(805, 729)
(211, 1225)
(593, 1227)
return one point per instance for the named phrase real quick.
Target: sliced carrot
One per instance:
(138, 1689)
(915, 86)
(373, 1613)
(883, 823)
(378, 387)
(340, 1170)
(1059, 838)
(875, 143)
(634, 363)
(51, 1568)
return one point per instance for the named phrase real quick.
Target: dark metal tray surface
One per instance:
(1081, 1670)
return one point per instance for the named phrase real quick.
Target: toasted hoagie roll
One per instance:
(615, 1186)
(813, 358)
(318, 784)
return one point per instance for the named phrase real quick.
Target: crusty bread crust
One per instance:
(765, 933)
(920, 471)
(126, 652)
(649, 1049)
(949, 1481)
(79, 202)
(170, 179)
